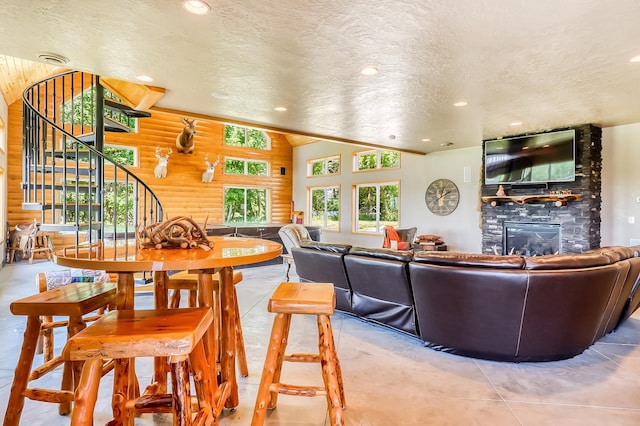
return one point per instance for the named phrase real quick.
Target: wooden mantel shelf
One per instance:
(558, 200)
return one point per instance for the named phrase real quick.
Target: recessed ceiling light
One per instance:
(446, 144)
(53, 58)
(425, 140)
(392, 137)
(459, 104)
(280, 108)
(145, 78)
(197, 7)
(635, 59)
(369, 71)
(516, 123)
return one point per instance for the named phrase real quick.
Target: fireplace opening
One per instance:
(531, 238)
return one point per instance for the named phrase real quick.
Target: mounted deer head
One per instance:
(207, 175)
(160, 171)
(184, 140)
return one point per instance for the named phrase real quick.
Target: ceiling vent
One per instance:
(53, 58)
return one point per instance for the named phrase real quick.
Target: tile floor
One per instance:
(390, 378)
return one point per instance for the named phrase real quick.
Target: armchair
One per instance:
(405, 237)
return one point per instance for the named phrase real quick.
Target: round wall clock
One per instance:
(442, 197)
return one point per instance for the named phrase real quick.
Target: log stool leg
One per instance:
(87, 393)
(23, 369)
(272, 363)
(331, 373)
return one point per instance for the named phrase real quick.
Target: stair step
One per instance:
(125, 109)
(70, 154)
(72, 206)
(68, 227)
(113, 126)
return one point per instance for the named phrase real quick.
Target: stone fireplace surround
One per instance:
(579, 220)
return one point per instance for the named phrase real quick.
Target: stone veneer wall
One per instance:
(579, 221)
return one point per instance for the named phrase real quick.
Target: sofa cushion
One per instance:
(382, 253)
(469, 259)
(334, 248)
(567, 261)
(614, 253)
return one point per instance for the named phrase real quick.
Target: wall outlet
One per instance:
(632, 219)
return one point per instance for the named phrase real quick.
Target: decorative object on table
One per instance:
(160, 170)
(442, 197)
(500, 192)
(184, 140)
(207, 175)
(429, 239)
(177, 232)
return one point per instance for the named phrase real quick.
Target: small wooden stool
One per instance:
(183, 280)
(72, 301)
(301, 298)
(173, 333)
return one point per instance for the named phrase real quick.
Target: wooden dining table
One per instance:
(126, 260)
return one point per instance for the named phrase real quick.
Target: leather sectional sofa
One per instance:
(506, 308)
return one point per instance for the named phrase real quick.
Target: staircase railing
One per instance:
(65, 174)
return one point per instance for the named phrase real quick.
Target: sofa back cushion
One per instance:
(383, 253)
(567, 261)
(469, 260)
(330, 247)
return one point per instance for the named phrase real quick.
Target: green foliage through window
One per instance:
(324, 166)
(79, 111)
(246, 137)
(377, 206)
(245, 205)
(245, 167)
(325, 207)
(377, 159)
(121, 154)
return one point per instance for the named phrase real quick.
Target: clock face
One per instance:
(442, 197)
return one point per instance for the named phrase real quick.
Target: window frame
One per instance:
(379, 153)
(245, 188)
(324, 227)
(246, 162)
(356, 207)
(325, 166)
(246, 130)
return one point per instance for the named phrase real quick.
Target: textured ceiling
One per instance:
(545, 63)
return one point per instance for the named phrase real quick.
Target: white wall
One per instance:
(620, 184)
(461, 229)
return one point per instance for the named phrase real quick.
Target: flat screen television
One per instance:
(540, 158)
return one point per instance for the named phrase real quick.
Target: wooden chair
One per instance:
(123, 334)
(183, 280)
(72, 301)
(301, 298)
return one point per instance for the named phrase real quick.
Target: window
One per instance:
(245, 205)
(324, 166)
(81, 113)
(125, 155)
(377, 206)
(246, 137)
(240, 166)
(325, 207)
(375, 160)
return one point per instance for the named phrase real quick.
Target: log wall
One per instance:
(182, 192)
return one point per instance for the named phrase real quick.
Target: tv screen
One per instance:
(541, 158)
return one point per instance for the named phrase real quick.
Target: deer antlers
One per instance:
(177, 232)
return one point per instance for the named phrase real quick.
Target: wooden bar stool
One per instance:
(172, 333)
(183, 280)
(301, 298)
(72, 301)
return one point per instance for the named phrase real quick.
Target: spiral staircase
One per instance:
(65, 174)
